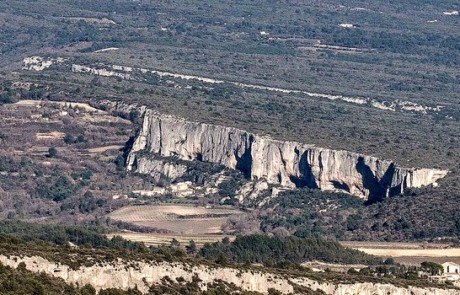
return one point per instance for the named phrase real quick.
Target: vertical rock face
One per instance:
(158, 168)
(289, 164)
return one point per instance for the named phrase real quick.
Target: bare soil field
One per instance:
(177, 219)
(394, 245)
(104, 149)
(409, 253)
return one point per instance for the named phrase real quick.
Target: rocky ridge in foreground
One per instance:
(123, 275)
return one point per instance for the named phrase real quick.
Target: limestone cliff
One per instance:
(124, 275)
(289, 164)
(158, 168)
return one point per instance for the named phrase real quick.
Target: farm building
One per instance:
(451, 268)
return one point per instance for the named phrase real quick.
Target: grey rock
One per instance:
(289, 164)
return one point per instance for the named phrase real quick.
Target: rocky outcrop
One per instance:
(289, 164)
(124, 275)
(158, 168)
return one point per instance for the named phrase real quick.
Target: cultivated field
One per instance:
(409, 253)
(177, 219)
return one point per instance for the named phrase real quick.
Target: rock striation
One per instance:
(158, 168)
(129, 274)
(286, 163)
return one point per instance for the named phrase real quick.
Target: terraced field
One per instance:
(177, 219)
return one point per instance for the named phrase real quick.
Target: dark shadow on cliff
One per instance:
(395, 191)
(306, 179)
(340, 186)
(244, 163)
(128, 147)
(377, 188)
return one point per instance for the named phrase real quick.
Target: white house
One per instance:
(451, 268)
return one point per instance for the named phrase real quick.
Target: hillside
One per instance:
(118, 268)
(234, 143)
(402, 56)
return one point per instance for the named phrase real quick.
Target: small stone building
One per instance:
(451, 268)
